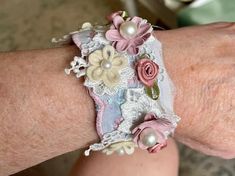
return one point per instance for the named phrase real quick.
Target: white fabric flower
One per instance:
(125, 147)
(105, 65)
(100, 89)
(108, 139)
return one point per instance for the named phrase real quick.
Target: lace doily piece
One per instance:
(136, 106)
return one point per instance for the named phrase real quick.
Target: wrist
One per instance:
(177, 74)
(45, 114)
(76, 108)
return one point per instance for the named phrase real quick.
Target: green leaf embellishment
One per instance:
(153, 92)
(124, 15)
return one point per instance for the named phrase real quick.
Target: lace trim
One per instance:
(100, 89)
(137, 105)
(107, 140)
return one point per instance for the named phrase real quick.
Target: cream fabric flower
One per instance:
(120, 148)
(105, 65)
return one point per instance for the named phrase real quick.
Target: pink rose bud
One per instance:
(147, 71)
(150, 134)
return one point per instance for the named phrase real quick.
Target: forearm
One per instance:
(44, 113)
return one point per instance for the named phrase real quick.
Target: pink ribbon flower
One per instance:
(147, 71)
(151, 134)
(127, 35)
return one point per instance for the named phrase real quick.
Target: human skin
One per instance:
(201, 63)
(45, 113)
(140, 164)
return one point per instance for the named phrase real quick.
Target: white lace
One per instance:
(137, 105)
(108, 139)
(100, 89)
(78, 66)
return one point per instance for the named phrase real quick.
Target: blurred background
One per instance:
(30, 24)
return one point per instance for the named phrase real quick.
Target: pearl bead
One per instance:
(120, 151)
(106, 64)
(148, 137)
(128, 29)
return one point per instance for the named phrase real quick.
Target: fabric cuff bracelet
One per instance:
(124, 73)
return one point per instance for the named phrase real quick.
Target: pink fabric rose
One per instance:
(159, 126)
(147, 71)
(122, 43)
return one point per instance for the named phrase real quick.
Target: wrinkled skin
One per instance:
(201, 63)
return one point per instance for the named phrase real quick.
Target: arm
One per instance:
(45, 113)
(201, 63)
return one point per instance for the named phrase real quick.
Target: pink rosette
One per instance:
(122, 43)
(159, 125)
(147, 71)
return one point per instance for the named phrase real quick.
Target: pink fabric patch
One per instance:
(100, 113)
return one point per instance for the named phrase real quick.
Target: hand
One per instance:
(201, 63)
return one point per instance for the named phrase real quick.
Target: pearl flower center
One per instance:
(106, 64)
(128, 29)
(148, 137)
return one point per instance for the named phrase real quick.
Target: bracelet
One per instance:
(124, 73)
